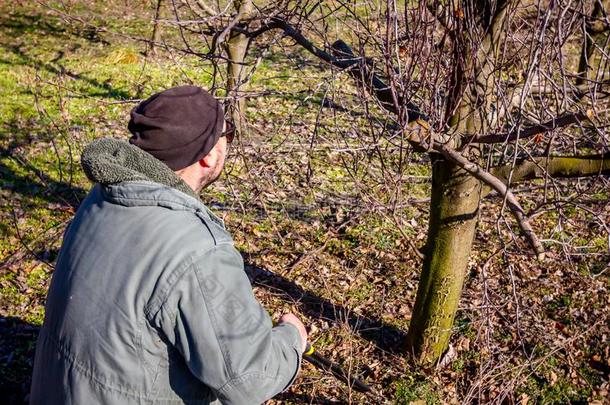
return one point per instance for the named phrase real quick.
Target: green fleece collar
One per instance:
(110, 161)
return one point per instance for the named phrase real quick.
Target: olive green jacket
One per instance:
(149, 302)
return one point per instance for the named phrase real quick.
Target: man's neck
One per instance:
(190, 180)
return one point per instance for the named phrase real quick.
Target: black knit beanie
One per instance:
(178, 126)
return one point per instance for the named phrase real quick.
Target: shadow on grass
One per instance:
(20, 23)
(36, 183)
(27, 188)
(105, 90)
(386, 337)
(15, 25)
(17, 346)
(306, 399)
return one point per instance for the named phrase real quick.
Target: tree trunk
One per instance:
(237, 47)
(156, 33)
(453, 218)
(455, 198)
(588, 47)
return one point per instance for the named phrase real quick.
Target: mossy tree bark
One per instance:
(453, 211)
(554, 166)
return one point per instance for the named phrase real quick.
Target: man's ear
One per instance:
(208, 160)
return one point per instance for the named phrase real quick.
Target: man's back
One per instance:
(149, 302)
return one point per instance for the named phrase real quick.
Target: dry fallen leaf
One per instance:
(553, 378)
(524, 399)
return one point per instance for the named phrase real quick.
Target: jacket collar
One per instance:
(111, 161)
(132, 177)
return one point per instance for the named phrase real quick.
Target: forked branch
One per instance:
(479, 173)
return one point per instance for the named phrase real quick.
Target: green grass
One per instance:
(558, 390)
(415, 390)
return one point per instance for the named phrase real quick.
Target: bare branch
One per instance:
(241, 14)
(496, 184)
(203, 5)
(554, 166)
(295, 34)
(363, 73)
(344, 58)
(561, 121)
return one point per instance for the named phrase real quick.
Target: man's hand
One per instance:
(292, 319)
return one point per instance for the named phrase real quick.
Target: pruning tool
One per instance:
(325, 364)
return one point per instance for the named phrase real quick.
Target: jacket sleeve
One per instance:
(225, 336)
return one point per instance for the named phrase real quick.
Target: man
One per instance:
(149, 302)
